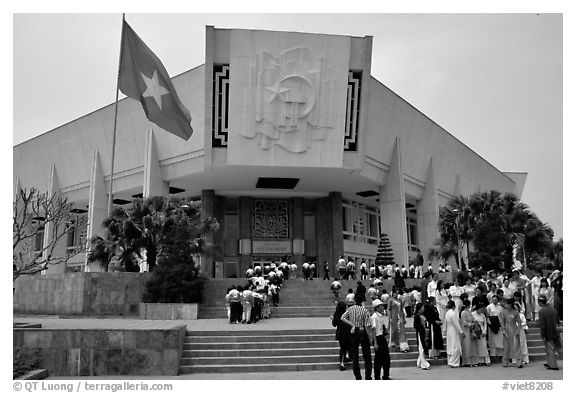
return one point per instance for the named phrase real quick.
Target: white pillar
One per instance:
(428, 214)
(154, 184)
(393, 208)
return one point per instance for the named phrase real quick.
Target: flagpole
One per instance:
(115, 119)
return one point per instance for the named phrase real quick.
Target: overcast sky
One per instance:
(494, 81)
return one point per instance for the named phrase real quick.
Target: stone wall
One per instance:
(80, 293)
(91, 352)
(169, 311)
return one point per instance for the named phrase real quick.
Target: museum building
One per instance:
(297, 151)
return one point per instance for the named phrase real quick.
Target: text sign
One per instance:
(271, 247)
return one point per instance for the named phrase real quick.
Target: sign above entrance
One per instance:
(272, 247)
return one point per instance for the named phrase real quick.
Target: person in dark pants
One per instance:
(380, 341)
(548, 319)
(326, 271)
(424, 288)
(342, 333)
(361, 290)
(358, 317)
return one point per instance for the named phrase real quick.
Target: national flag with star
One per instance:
(144, 78)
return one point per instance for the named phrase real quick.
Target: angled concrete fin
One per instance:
(520, 179)
(427, 213)
(457, 187)
(154, 184)
(393, 207)
(53, 189)
(98, 202)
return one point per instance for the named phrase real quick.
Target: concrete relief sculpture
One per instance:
(289, 100)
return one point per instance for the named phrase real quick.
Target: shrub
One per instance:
(175, 282)
(24, 360)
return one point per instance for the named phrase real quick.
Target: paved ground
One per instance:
(55, 322)
(533, 372)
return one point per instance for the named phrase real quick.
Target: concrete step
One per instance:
(274, 358)
(191, 333)
(308, 351)
(294, 366)
(270, 338)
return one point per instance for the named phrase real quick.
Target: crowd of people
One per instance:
(347, 270)
(477, 320)
(255, 300)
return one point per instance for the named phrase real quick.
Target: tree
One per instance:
(384, 255)
(497, 225)
(155, 229)
(40, 221)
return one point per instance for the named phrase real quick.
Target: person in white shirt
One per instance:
(416, 295)
(380, 340)
(363, 271)
(341, 267)
(535, 287)
(432, 286)
(293, 269)
(404, 272)
(390, 271)
(455, 291)
(372, 271)
(351, 270)
(306, 270)
(507, 292)
(335, 288)
(454, 333)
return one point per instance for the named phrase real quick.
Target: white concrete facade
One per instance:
(289, 96)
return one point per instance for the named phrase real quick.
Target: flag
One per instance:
(144, 78)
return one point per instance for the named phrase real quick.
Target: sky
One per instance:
(494, 81)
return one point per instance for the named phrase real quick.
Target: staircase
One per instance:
(271, 351)
(290, 350)
(298, 298)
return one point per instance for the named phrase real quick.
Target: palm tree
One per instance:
(496, 224)
(152, 229)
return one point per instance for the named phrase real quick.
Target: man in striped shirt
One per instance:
(358, 317)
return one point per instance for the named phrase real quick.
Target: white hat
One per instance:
(376, 303)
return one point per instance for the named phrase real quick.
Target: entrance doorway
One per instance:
(261, 261)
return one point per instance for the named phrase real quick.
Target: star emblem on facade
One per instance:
(154, 89)
(276, 90)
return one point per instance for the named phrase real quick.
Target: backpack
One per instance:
(476, 330)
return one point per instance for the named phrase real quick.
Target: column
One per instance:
(337, 245)
(323, 233)
(245, 232)
(329, 236)
(393, 208)
(298, 225)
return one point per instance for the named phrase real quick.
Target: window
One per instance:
(39, 239)
(412, 230)
(76, 235)
(360, 222)
(220, 104)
